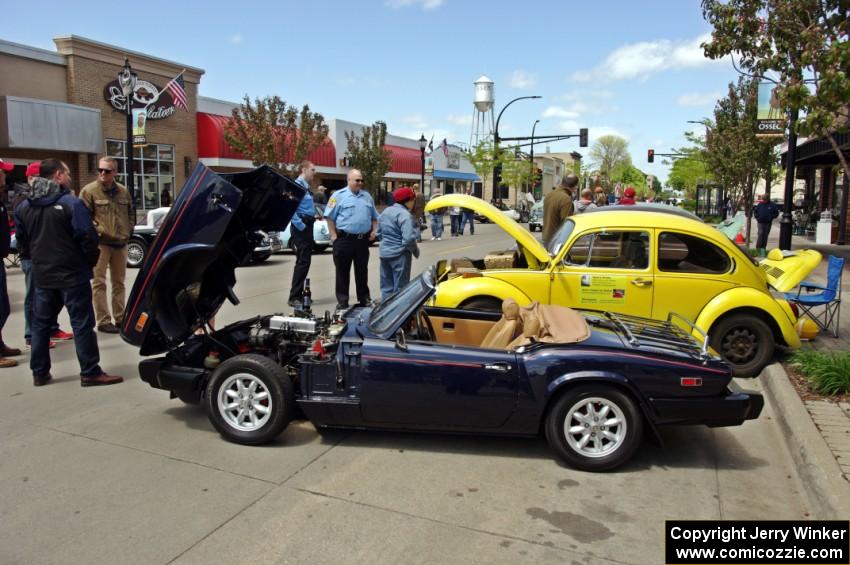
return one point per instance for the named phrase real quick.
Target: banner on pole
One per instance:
(140, 117)
(770, 117)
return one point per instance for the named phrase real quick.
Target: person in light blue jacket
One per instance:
(398, 242)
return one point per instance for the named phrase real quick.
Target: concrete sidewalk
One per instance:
(824, 461)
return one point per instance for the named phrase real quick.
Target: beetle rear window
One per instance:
(681, 253)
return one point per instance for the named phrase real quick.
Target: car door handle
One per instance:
(499, 367)
(641, 282)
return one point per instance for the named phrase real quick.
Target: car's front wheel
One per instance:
(486, 303)
(745, 342)
(136, 252)
(594, 428)
(250, 399)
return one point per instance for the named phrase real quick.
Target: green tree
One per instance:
(517, 172)
(368, 154)
(733, 153)
(483, 159)
(689, 171)
(270, 131)
(804, 42)
(610, 153)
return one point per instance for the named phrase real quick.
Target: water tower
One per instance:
(483, 123)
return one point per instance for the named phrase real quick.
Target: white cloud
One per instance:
(415, 121)
(460, 120)
(698, 98)
(522, 79)
(643, 59)
(559, 112)
(426, 4)
(235, 38)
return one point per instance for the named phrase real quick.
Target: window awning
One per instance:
(27, 123)
(455, 175)
(211, 142)
(405, 159)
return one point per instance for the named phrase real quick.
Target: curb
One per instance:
(823, 481)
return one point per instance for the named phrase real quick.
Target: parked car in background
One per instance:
(281, 240)
(535, 218)
(517, 215)
(593, 383)
(647, 260)
(144, 234)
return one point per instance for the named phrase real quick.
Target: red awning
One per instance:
(211, 142)
(405, 159)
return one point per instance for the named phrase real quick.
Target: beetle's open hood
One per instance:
(523, 237)
(786, 269)
(191, 266)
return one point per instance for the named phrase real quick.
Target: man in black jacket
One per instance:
(58, 230)
(5, 240)
(764, 212)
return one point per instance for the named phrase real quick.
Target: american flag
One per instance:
(177, 88)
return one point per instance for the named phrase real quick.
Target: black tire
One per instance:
(137, 250)
(608, 456)
(486, 303)
(320, 248)
(257, 259)
(745, 342)
(270, 378)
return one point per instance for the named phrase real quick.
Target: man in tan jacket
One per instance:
(558, 205)
(112, 213)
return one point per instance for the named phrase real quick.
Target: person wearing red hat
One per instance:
(398, 241)
(5, 242)
(628, 197)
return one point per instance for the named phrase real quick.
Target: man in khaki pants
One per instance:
(112, 213)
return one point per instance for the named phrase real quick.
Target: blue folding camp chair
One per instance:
(829, 297)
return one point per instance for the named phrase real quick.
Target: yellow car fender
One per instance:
(451, 293)
(746, 297)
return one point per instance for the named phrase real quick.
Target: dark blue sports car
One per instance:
(592, 382)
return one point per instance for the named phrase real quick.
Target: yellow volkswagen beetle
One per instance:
(644, 261)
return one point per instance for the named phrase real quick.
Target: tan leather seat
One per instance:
(506, 329)
(550, 323)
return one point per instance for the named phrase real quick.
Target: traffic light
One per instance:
(650, 155)
(582, 137)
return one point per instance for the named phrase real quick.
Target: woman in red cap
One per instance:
(628, 196)
(398, 241)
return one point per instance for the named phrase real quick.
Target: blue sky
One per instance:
(630, 68)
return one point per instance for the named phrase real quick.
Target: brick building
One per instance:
(68, 104)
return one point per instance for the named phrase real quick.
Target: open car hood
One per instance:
(523, 237)
(191, 265)
(786, 269)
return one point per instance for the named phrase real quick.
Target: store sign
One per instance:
(770, 117)
(159, 104)
(453, 160)
(429, 166)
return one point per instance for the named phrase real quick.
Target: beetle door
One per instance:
(429, 385)
(606, 270)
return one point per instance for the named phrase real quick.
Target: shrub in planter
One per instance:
(828, 373)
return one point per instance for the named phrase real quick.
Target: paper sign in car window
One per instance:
(602, 289)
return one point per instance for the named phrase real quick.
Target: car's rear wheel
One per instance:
(594, 428)
(136, 252)
(745, 342)
(250, 399)
(486, 303)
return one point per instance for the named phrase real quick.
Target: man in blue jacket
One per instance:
(57, 228)
(398, 241)
(764, 213)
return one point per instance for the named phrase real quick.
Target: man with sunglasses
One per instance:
(113, 216)
(353, 224)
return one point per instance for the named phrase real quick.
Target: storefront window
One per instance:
(154, 167)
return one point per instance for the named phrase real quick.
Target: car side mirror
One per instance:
(400, 341)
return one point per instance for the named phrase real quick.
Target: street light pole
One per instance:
(127, 80)
(531, 168)
(786, 223)
(497, 169)
(422, 142)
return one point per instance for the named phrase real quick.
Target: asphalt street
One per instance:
(122, 474)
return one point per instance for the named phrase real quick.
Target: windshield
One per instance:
(554, 245)
(400, 303)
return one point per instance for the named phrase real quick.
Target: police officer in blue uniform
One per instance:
(353, 223)
(301, 235)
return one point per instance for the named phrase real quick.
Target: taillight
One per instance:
(795, 309)
(691, 381)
